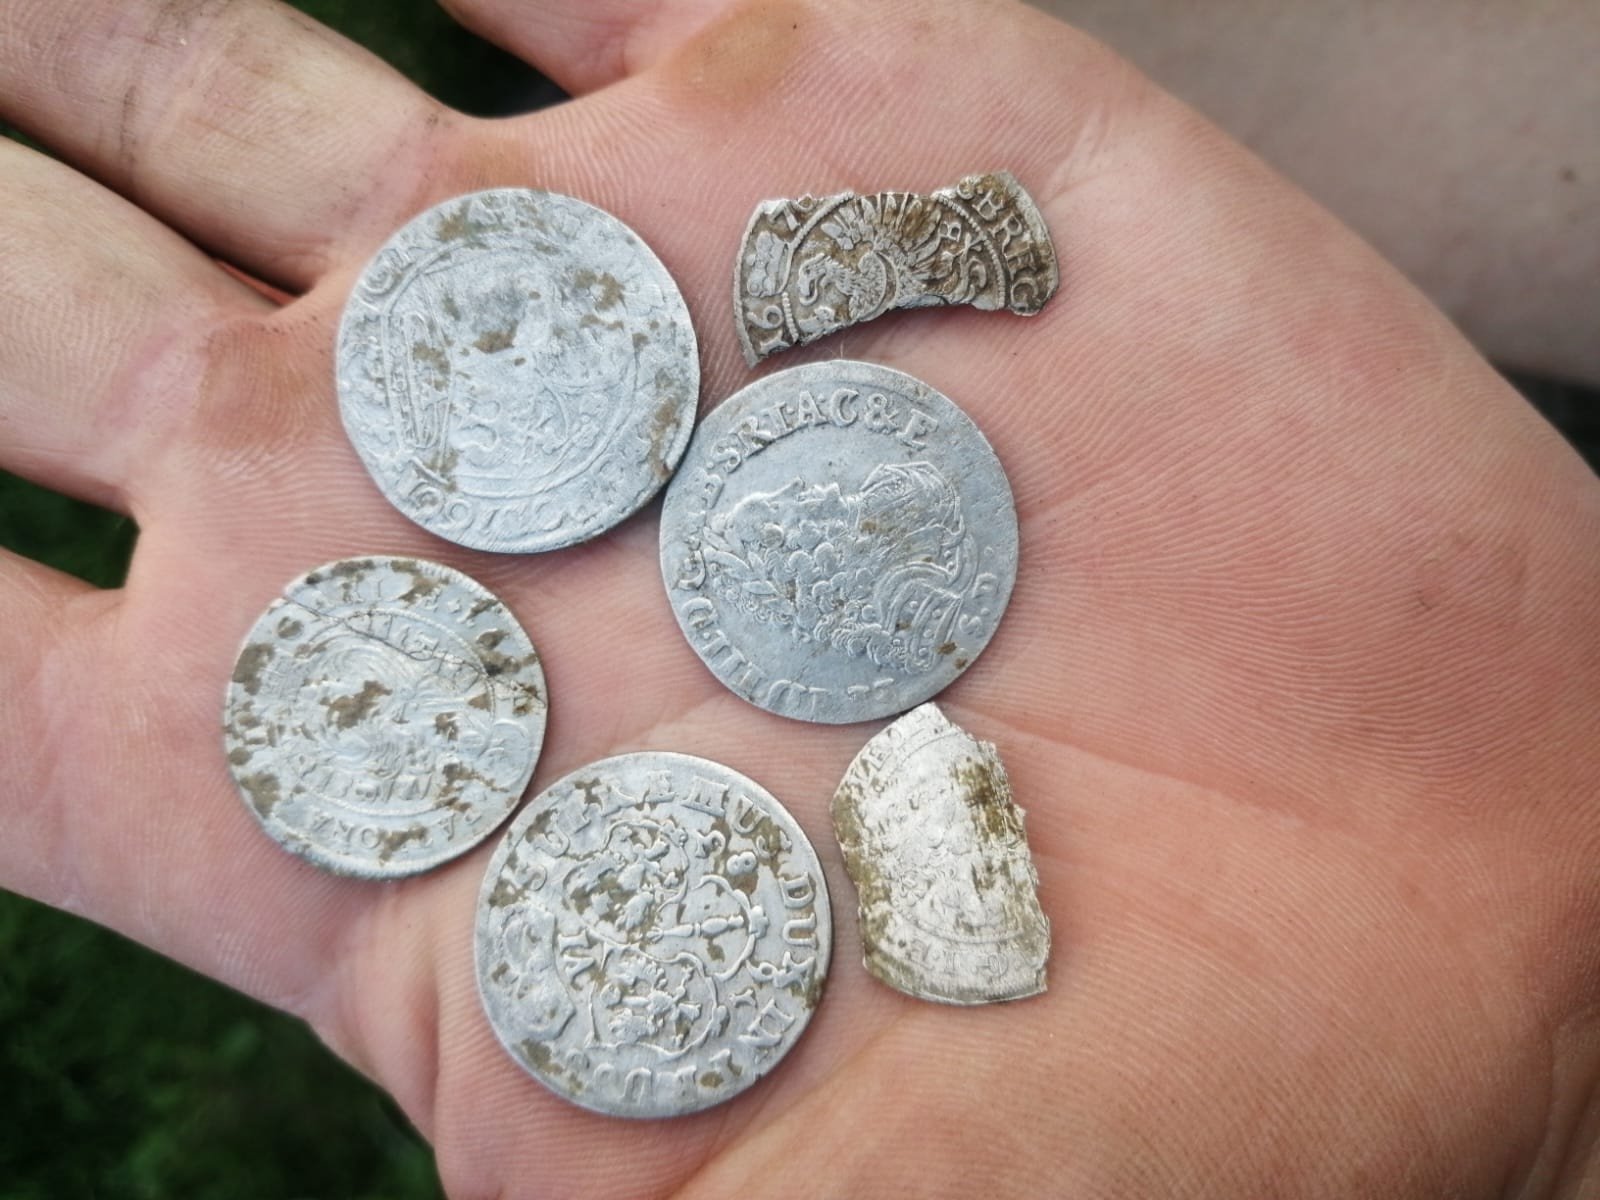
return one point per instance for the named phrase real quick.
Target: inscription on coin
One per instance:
(812, 266)
(517, 370)
(936, 849)
(840, 543)
(652, 935)
(384, 716)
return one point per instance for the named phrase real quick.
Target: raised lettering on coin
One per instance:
(936, 849)
(652, 935)
(384, 716)
(517, 370)
(812, 266)
(840, 543)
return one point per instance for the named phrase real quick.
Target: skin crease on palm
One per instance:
(1300, 685)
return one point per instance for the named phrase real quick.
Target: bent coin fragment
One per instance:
(812, 266)
(652, 935)
(936, 849)
(517, 370)
(384, 716)
(840, 543)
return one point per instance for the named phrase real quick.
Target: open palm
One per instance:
(1300, 683)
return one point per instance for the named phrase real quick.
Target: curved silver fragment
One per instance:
(812, 266)
(935, 846)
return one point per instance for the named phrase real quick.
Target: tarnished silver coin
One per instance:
(840, 542)
(517, 370)
(936, 849)
(652, 935)
(384, 716)
(815, 265)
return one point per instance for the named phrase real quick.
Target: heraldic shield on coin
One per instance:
(812, 266)
(936, 849)
(653, 935)
(384, 716)
(517, 370)
(840, 543)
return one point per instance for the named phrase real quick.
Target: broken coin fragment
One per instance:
(812, 266)
(936, 849)
(384, 716)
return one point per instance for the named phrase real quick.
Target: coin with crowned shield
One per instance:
(840, 543)
(384, 716)
(653, 935)
(517, 370)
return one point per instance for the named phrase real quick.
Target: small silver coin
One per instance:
(384, 716)
(517, 370)
(935, 846)
(812, 266)
(840, 543)
(652, 936)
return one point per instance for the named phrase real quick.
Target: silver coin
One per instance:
(936, 849)
(384, 716)
(817, 264)
(517, 370)
(652, 935)
(840, 543)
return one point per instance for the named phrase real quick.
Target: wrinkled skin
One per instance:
(1300, 684)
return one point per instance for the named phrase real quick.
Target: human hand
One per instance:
(1458, 141)
(1298, 684)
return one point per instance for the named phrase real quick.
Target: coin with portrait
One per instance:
(840, 542)
(517, 370)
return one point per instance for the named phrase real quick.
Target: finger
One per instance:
(263, 136)
(102, 308)
(35, 601)
(657, 149)
(173, 843)
(585, 46)
(37, 604)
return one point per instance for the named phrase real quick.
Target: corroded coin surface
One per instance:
(815, 265)
(517, 370)
(384, 716)
(840, 542)
(936, 849)
(652, 935)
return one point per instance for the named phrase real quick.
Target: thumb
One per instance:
(586, 44)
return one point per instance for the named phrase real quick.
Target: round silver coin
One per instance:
(652, 935)
(517, 370)
(384, 716)
(840, 543)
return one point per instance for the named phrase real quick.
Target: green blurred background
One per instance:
(128, 1076)
(123, 1074)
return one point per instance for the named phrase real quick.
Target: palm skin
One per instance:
(1299, 684)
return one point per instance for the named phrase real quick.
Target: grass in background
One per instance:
(126, 1075)
(67, 534)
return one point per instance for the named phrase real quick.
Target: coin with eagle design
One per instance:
(384, 716)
